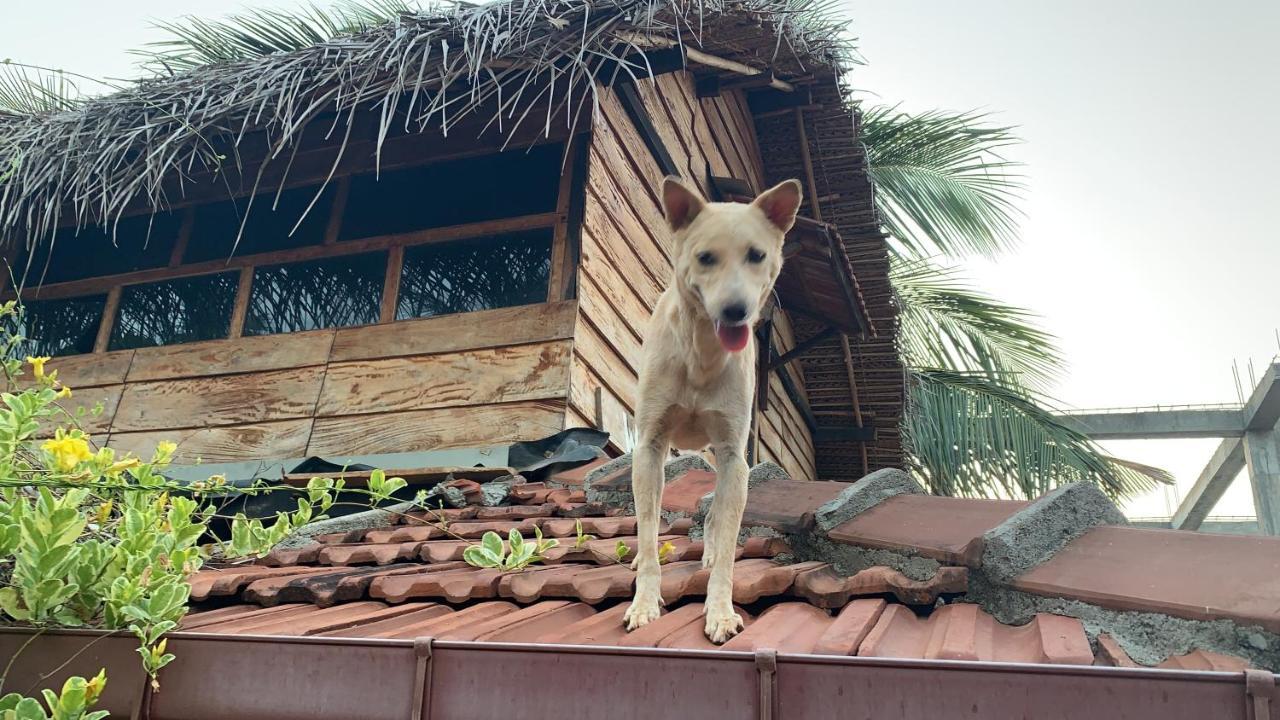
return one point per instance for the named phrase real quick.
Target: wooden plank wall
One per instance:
(452, 381)
(626, 260)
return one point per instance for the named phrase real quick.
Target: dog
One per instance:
(698, 375)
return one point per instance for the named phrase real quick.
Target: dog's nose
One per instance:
(735, 313)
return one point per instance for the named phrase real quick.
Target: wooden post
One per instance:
(184, 237)
(811, 185)
(241, 307)
(336, 211)
(109, 311)
(391, 284)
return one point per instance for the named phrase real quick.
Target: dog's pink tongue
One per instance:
(733, 337)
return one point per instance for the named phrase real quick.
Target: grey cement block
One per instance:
(764, 472)
(367, 520)
(496, 491)
(863, 495)
(1038, 531)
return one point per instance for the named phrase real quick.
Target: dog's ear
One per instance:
(680, 203)
(780, 203)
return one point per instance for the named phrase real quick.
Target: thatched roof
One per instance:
(136, 147)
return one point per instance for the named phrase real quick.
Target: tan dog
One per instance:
(698, 374)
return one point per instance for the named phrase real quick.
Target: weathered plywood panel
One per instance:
(226, 400)
(83, 371)
(235, 443)
(436, 429)
(226, 357)
(476, 377)
(451, 333)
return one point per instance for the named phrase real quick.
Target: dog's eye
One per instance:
(754, 256)
(706, 259)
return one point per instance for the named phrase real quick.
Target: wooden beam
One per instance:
(639, 114)
(350, 247)
(564, 260)
(853, 396)
(184, 237)
(391, 285)
(241, 308)
(109, 312)
(337, 210)
(811, 185)
(699, 57)
(802, 347)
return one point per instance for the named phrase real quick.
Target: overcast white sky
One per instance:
(1150, 243)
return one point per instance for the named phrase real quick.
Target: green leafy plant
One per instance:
(665, 551)
(516, 554)
(73, 703)
(621, 551)
(580, 538)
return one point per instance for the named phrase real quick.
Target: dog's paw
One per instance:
(642, 612)
(722, 625)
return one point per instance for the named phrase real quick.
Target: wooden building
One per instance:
(289, 256)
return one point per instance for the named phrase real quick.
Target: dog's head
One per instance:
(728, 255)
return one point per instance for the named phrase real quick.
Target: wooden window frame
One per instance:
(564, 259)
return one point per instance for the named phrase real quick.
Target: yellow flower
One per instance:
(67, 452)
(121, 465)
(93, 688)
(37, 366)
(104, 511)
(65, 392)
(164, 450)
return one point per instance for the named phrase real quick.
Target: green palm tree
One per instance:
(977, 422)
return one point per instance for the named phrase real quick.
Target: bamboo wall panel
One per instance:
(219, 400)
(474, 377)
(253, 441)
(473, 426)
(626, 259)
(451, 333)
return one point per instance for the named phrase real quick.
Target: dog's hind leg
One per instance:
(721, 541)
(646, 488)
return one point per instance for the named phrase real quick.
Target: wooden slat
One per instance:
(561, 260)
(453, 333)
(85, 371)
(612, 282)
(436, 429)
(224, 400)
(476, 377)
(620, 247)
(617, 331)
(572, 419)
(225, 357)
(235, 443)
(86, 398)
(605, 363)
(641, 161)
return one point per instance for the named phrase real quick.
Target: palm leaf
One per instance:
(971, 435)
(194, 42)
(945, 323)
(941, 183)
(25, 90)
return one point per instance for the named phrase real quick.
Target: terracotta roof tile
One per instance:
(965, 632)
(787, 505)
(1110, 653)
(575, 477)
(1235, 576)
(947, 529)
(406, 581)
(682, 494)
(456, 586)
(850, 627)
(449, 514)
(826, 588)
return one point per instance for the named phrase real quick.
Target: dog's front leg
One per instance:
(646, 488)
(720, 545)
